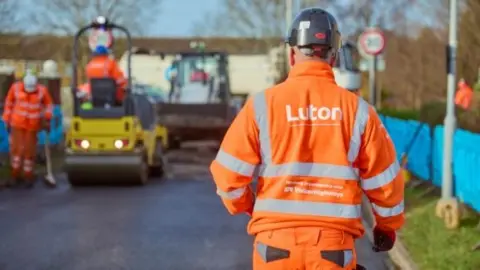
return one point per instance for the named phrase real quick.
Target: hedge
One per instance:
(434, 114)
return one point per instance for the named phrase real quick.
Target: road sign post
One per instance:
(371, 44)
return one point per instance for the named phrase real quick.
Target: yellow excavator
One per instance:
(111, 143)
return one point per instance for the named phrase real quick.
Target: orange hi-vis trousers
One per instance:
(304, 248)
(23, 147)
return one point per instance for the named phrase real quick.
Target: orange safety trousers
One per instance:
(23, 146)
(304, 248)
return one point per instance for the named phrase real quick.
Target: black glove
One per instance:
(383, 240)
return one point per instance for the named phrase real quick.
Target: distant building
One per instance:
(252, 62)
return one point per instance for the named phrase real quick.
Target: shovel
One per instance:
(49, 179)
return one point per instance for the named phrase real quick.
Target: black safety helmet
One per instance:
(315, 32)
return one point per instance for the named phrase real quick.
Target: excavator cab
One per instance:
(202, 77)
(111, 142)
(346, 71)
(199, 104)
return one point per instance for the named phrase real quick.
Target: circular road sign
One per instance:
(100, 37)
(372, 41)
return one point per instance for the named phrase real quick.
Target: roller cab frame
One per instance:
(111, 143)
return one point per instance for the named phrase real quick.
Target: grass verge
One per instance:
(431, 245)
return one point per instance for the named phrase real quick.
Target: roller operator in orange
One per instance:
(103, 66)
(313, 148)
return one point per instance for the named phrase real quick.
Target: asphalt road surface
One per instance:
(174, 224)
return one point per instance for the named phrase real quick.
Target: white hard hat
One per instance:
(50, 67)
(30, 82)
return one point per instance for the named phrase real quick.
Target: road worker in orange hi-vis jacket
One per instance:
(28, 109)
(102, 66)
(464, 95)
(313, 148)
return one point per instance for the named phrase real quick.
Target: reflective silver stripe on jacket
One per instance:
(383, 178)
(308, 208)
(232, 195)
(234, 164)
(30, 106)
(267, 169)
(389, 211)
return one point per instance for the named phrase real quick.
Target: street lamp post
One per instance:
(288, 14)
(448, 207)
(288, 22)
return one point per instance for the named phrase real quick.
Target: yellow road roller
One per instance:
(111, 143)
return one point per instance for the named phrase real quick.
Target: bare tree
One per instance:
(252, 18)
(8, 15)
(401, 15)
(67, 16)
(469, 42)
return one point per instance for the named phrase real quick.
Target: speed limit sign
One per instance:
(100, 37)
(371, 42)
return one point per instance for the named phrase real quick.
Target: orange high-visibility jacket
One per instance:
(314, 149)
(464, 96)
(26, 110)
(104, 67)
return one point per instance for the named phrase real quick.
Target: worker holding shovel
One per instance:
(28, 109)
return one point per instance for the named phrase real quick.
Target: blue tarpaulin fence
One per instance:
(55, 135)
(426, 156)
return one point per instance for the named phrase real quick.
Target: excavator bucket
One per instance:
(194, 122)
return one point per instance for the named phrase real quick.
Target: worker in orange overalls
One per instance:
(464, 95)
(28, 109)
(102, 66)
(314, 149)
